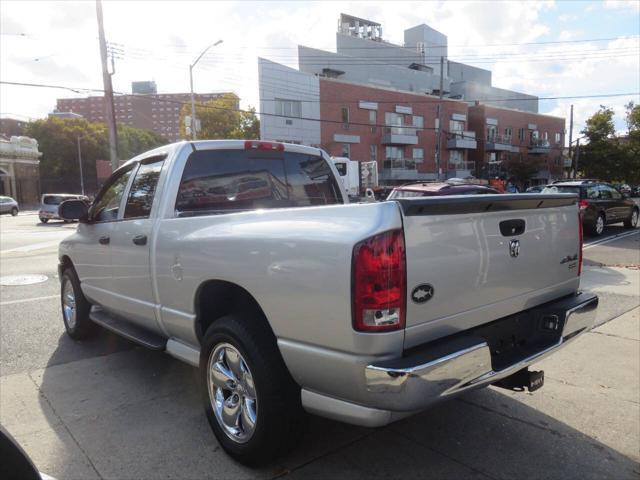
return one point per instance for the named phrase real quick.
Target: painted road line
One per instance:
(25, 300)
(610, 239)
(33, 246)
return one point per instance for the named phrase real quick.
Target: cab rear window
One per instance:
(563, 189)
(218, 181)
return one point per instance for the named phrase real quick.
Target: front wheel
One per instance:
(14, 211)
(597, 228)
(75, 307)
(632, 222)
(43, 220)
(251, 402)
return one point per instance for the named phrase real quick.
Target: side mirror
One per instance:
(74, 210)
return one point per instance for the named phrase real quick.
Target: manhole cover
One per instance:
(16, 280)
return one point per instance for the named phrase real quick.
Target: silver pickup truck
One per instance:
(245, 259)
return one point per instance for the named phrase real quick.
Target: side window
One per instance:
(143, 189)
(615, 194)
(105, 208)
(231, 180)
(605, 193)
(592, 193)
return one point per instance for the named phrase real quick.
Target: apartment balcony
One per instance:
(539, 147)
(403, 169)
(461, 170)
(399, 136)
(462, 140)
(498, 143)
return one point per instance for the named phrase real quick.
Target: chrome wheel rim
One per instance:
(634, 218)
(232, 393)
(69, 305)
(599, 225)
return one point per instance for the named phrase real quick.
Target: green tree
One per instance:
(522, 168)
(134, 141)
(57, 140)
(600, 127)
(220, 118)
(630, 145)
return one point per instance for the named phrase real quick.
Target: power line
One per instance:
(177, 102)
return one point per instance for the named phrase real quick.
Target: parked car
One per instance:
(9, 205)
(622, 188)
(294, 299)
(600, 204)
(635, 191)
(50, 202)
(535, 189)
(420, 189)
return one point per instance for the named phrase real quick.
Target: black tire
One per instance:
(14, 211)
(44, 220)
(83, 327)
(632, 221)
(594, 228)
(279, 413)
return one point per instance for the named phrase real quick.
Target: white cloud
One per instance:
(633, 5)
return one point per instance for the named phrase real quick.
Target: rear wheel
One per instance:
(632, 222)
(597, 228)
(14, 211)
(251, 402)
(75, 307)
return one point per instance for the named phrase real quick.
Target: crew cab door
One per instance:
(92, 250)
(130, 248)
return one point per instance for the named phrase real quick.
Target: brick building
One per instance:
(158, 112)
(504, 135)
(397, 129)
(372, 99)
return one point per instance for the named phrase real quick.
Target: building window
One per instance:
(491, 132)
(535, 135)
(288, 108)
(418, 155)
(373, 120)
(507, 133)
(346, 150)
(521, 134)
(546, 136)
(456, 159)
(373, 150)
(393, 119)
(418, 121)
(558, 137)
(437, 124)
(394, 158)
(456, 126)
(345, 117)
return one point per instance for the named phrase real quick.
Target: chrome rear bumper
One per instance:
(411, 383)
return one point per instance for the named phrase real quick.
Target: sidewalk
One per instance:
(137, 414)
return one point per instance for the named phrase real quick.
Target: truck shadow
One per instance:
(138, 414)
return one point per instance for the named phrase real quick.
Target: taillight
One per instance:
(581, 243)
(583, 204)
(379, 283)
(269, 146)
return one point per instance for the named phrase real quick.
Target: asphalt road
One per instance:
(108, 409)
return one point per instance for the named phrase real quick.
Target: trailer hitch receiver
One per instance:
(525, 378)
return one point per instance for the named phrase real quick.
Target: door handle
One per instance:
(104, 240)
(140, 239)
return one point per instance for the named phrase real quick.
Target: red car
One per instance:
(437, 189)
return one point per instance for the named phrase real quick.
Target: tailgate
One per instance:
(474, 259)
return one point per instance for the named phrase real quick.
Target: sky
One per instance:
(56, 43)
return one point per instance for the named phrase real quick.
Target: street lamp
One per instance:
(80, 164)
(193, 102)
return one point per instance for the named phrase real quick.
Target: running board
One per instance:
(128, 330)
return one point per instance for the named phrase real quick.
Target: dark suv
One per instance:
(600, 204)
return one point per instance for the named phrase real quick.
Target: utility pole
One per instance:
(108, 91)
(439, 136)
(80, 165)
(571, 139)
(575, 175)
